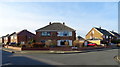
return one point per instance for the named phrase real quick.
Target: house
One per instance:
(2, 39)
(6, 39)
(79, 38)
(57, 32)
(99, 33)
(21, 37)
(115, 34)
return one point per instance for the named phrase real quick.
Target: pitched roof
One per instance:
(6, 35)
(81, 38)
(115, 34)
(26, 31)
(103, 31)
(12, 33)
(21, 32)
(55, 27)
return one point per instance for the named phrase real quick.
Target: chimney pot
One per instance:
(63, 23)
(50, 23)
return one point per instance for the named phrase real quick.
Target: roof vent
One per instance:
(25, 29)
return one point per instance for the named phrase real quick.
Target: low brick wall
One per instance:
(35, 49)
(15, 48)
(57, 48)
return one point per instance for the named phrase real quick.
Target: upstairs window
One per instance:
(65, 33)
(106, 37)
(45, 34)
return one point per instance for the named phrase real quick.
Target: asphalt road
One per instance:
(104, 57)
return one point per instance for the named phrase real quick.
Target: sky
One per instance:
(81, 16)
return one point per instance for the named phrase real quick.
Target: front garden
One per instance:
(49, 45)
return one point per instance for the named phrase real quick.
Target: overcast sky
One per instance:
(81, 16)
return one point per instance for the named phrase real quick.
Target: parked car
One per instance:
(92, 44)
(12, 44)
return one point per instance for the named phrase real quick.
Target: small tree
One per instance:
(76, 43)
(48, 43)
(67, 43)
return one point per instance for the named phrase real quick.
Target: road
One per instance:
(104, 57)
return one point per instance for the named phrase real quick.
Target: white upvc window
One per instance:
(93, 32)
(45, 33)
(106, 37)
(109, 36)
(90, 37)
(11, 37)
(15, 37)
(6, 38)
(64, 33)
(62, 42)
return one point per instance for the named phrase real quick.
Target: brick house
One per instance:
(21, 37)
(2, 39)
(115, 34)
(99, 33)
(57, 32)
(6, 39)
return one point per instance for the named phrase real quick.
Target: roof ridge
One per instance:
(56, 26)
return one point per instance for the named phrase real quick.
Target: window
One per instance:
(15, 37)
(65, 33)
(93, 32)
(6, 38)
(11, 37)
(90, 37)
(42, 41)
(45, 34)
(64, 42)
(107, 37)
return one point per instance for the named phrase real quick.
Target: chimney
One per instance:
(25, 29)
(63, 23)
(50, 23)
(100, 27)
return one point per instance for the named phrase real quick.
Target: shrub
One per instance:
(52, 45)
(48, 43)
(38, 45)
(24, 46)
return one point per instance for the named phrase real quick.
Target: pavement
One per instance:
(92, 57)
(38, 51)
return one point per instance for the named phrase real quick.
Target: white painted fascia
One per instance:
(98, 31)
(111, 33)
